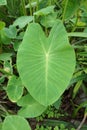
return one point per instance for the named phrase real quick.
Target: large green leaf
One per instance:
(45, 64)
(15, 123)
(30, 107)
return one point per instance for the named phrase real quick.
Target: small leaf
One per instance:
(4, 38)
(16, 45)
(71, 8)
(23, 21)
(78, 78)
(11, 32)
(45, 11)
(3, 2)
(76, 88)
(2, 79)
(56, 128)
(15, 123)
(58, 103)
(8, 67)
(2, 25)
(14, 89)
(30, 107)
(49, 20)
(5, 56)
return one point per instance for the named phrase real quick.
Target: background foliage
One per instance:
(39, 17)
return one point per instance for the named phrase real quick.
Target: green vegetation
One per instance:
(43, 64)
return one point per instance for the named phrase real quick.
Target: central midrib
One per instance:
(47, 58)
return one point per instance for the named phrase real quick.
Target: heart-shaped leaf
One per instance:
(46, 64)
(30, 107)
(15, 123)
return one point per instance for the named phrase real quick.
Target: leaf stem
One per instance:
(46, 31)
(75, 25)
(64, 10)
(23, 7)
(37, 5)
(82, 122)
(49, 2)
(77, 34)
(31, 12)
(0, 48)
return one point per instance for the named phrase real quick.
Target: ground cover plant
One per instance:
(43, 64)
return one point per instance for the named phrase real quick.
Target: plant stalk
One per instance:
(82, 122)
(0, 48)
(31, 12)
(75, 25)
(23, 7)
(37, 5)
(64, 10)
(49, 3)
